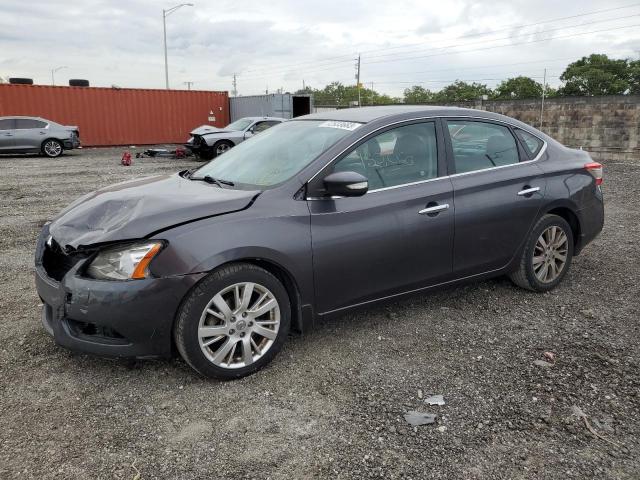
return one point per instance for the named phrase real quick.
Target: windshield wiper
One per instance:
(216, 181)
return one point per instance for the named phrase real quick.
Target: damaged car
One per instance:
(37, 135)
(208, 142)
(315, 217)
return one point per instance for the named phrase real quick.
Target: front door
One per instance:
(498, 194)
(397, 237)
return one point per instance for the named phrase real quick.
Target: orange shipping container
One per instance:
(119, 116)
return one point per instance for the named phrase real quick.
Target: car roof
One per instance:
(369, 114)
(280, 119)
(23, 117)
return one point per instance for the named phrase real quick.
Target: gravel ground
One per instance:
(332, 403)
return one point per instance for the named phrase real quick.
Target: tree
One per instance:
(342, 95)
(518, 87)
(596, 75)
(417, 94)
(634, 77)
(461, 91)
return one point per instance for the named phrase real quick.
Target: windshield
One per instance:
(239, 124)
(277, 154)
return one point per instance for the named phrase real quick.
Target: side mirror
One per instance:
(346, 184)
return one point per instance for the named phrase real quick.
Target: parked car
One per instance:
(208, 142)
(36, 135)
(314, 217)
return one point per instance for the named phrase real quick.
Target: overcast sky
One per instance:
(279, 43)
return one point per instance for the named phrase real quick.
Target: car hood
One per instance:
(205, 129)
(136, 209)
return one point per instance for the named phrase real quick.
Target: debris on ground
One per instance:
(435, 400)
(420, 394)
(578, 412)
(550, 356)
(542, 363)
(416, 419)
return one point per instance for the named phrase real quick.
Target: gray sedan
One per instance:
(36, 135)
(319, 216)
(208, 142)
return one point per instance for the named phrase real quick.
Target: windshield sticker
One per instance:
(351, 126)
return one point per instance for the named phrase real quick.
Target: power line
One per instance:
(509, 37)
(350, 55)
(461, 51)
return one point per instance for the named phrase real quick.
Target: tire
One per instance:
(21, 81)
(221, 146)
(221, 351)
(78, 82)
(52, 148)
(549, 269)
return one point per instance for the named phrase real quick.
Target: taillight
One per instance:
(595, 169)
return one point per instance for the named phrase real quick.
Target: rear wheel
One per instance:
(547, 255)
(52, 148)
(234, 322)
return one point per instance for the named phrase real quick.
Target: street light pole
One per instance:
(53, 71)
(165, 14)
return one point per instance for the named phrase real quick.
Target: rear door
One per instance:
(7, 133)
(498, 193)
(30, 133)
(398, 236)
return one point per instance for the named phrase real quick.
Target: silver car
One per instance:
(208, 142)
(36, 135)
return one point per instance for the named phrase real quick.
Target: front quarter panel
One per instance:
(274, 229)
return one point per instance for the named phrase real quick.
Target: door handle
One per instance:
(8, 134)
(434, 210)
(528, 191)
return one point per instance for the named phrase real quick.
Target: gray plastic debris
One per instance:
(418, 418)
(542, 363)
(435, 400)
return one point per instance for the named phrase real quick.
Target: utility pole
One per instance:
(544, 89)
(235, 86)
(358, 80)
(188, 84)
(53, 72)
(304, 87)
(372, 93)
(165, 14)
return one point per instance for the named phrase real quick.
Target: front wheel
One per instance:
(52, 148)
(222, 146)
(234, 322)
(547, 255)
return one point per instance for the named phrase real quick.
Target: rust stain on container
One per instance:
(119, 116)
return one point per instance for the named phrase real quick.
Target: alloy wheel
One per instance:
(550, 254)
(52, 148)
(223, 147)
(239, 325)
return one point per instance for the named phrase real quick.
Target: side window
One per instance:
(403, 155)
(26, 123)
(262, 126)
(7, 124)
(532, 144)
(480, 145)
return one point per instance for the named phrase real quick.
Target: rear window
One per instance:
(532, 144)
(26, 123)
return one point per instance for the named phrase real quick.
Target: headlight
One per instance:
(124, 263)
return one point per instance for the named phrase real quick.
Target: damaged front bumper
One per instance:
(109, 318)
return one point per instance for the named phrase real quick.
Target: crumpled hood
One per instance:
(205, 129)
(137, 208)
